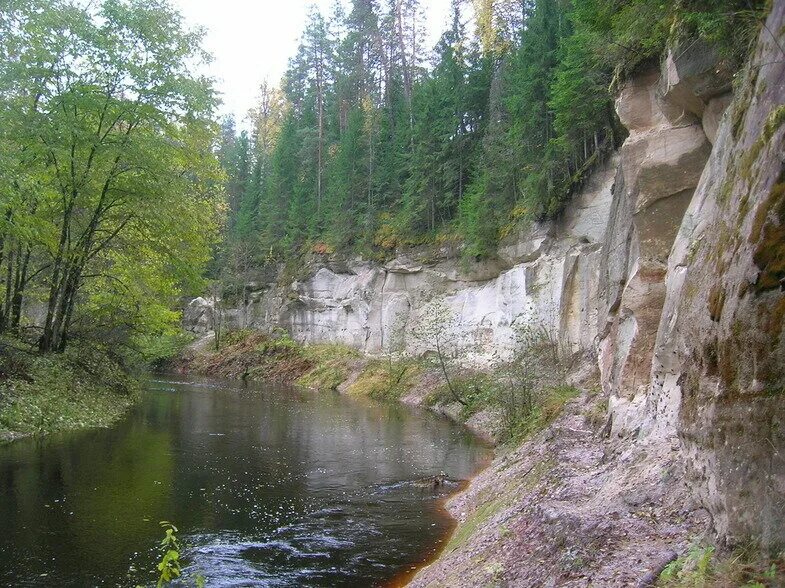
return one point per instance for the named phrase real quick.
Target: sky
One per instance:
(252, 40)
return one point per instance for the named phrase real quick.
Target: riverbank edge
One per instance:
(250, 355)
(41, 394)
(567, 501)
(351, 373)
(470, 400)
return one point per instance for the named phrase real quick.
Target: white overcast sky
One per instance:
(252, 40)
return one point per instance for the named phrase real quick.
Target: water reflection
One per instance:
(271, 486)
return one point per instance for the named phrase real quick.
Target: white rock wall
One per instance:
(718, 375)
(666, 266)
(596, 276)
(547, 275)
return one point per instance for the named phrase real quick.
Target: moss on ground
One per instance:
(490, 507)
(469, 527)
(81, 388)
(596, 414)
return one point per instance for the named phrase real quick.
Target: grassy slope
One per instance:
(39, 394)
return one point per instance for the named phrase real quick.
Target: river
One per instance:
(269, 486)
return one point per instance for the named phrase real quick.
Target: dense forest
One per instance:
(375, 141)
(110, 190)
(116, 178)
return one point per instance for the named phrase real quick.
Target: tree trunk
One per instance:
(6, 310)
(21, 283)
(46, 343)
(447, 377)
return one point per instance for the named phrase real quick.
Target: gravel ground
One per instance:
(570, 508)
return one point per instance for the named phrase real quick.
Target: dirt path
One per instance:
(569, 508)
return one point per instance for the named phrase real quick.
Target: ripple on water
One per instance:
(269, 487)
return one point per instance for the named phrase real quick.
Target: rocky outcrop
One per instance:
(546, 274)
(718, 376)
(567, 509)
(198, 315)
(668, 268)
(660, 165)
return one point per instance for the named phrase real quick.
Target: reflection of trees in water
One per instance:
(243, 461)
(368, 441)
(63, 501)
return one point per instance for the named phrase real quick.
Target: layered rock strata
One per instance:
(668, 267)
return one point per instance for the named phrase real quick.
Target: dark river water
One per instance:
(268, 486)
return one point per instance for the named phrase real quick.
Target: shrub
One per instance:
(386, 380)
(703, 567)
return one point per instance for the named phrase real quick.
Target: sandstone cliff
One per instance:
(667, 271)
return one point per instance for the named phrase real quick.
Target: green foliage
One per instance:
(528, 390)
(170, 565)
(279, 342)
(633, 33)
(84, 387)
(523, 412)
(477, 390)
(550, 405)
(234, 337)
(333, 362)
(110, 194)
(386, 379)
(153, 350)
(703, 567)
(253, 355)
(437, 331)
(367, 150)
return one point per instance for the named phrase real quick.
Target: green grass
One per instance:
(548, 407)
(703, 567)
(491, 506)
(83, 387)
(254, 355)
(333, 362)
(482, 391)
(386, 380)
(469, 527)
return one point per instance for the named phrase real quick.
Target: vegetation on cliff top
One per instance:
(374, 142)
